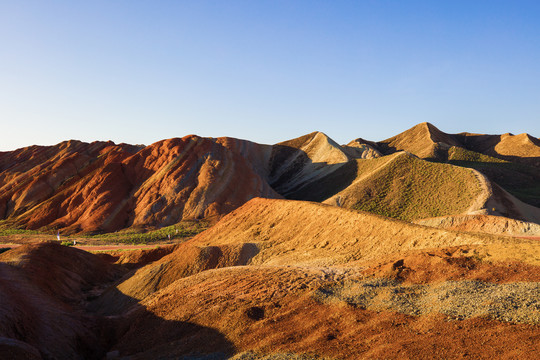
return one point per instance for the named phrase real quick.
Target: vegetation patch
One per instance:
(460, 154)
(409, 188)
(11, 231)
(514, 302)
(181, 230)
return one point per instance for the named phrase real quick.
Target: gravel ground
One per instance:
(279, 356)
(250, 355)
(517, 302)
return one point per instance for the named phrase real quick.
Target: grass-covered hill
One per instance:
(405, 187)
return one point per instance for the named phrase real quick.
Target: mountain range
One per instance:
(421, 246)
(77, 187)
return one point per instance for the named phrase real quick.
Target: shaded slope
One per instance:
(520, 179)
(187, 259)
(30, 316)
(61, 272)
(43, 289)
(304, 160)
(522, 148)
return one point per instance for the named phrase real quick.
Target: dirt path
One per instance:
(529, 237)
(486, 192)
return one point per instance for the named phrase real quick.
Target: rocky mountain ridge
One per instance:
(103, 187)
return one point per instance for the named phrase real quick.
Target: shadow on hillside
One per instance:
(518, 179)
(324, 180)
(46, 308)
(136, 330)
(141, 334)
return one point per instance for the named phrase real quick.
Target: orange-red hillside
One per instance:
(105, 187)
(286, 232)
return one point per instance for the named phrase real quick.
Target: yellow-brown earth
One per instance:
(273, 278)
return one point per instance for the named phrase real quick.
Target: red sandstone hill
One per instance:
(78, 187)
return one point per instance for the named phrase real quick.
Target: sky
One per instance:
(267, 71)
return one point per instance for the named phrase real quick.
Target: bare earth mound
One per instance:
(305, 311)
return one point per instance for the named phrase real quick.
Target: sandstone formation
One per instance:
(77, 187)
(279, 279)
(282, 279)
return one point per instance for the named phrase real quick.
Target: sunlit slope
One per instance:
(405, 187)
(294, 313)
(281, 232)
(483, 223)
(426, 141)
(511, 161)
(104, 187)
(287, 232)
(423, 140)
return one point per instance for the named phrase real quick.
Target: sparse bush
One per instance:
(10, 231)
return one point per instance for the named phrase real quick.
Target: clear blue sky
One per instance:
(267, 71)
